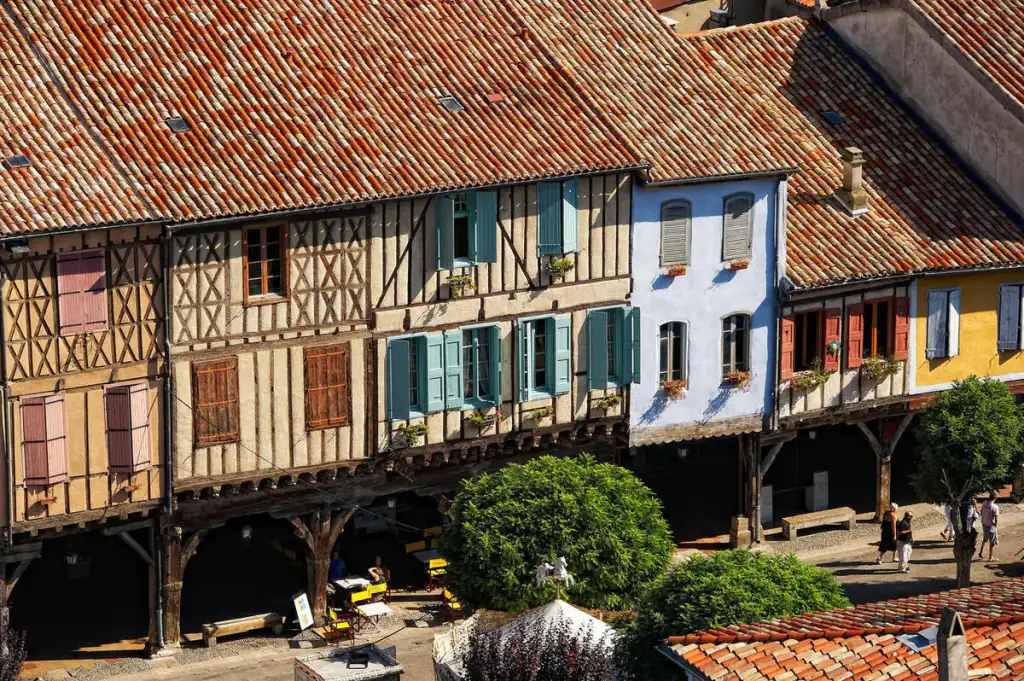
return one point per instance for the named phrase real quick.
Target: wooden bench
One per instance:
(830, 516)
(268, 620)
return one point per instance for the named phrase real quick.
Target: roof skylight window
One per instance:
(17, 161)
(832, 117)
(451, 104)
(177, 124)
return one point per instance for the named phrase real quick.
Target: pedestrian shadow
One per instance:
(1006, 570)
(872, 592)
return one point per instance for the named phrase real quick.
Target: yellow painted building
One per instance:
(967, 324)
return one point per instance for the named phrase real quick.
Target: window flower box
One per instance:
(541, 414)
(408, 435)
(608, 403)
(458, 284)
(735, 265)
(738, 379)
(676, 271)
(675, 389)
(815, 377)
(879, 368)
(481, 421)
(557, 268)
(47, 501)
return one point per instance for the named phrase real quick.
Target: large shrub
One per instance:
(600, 517)
(716, 590)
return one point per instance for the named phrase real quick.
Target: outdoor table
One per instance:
(350, 583)
(374, 610)
(427, 556)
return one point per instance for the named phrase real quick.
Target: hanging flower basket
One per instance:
(458, 284)
(675, 389)
(557, 268)
(833, 348)
(676, 271)
(738, 379)
(739, 264)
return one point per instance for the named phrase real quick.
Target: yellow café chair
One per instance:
(338, 627)
(436, 571)
(379, 592)
(451, 607)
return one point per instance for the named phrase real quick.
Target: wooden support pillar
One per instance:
(883, 448)
(177, 552)
(320, 532)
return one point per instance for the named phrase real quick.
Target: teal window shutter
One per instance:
(597, 350)
(486, 226)
(398, 380)
(444, 215)
(525, 360)
(632, 325)
(549, 218)
(453, 369)
(495, 343)
(434, 345)
(562, 332)
(570, 228)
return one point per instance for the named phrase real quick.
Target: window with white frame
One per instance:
(735, 344)
(545, 352)
(672, 351)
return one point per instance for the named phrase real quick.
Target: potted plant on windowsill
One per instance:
(608, 402)
(557, 268)
(481, 421)
(740, 264)
(676, 271)
(675, 389)
(879, 368)
(46, 501)
(408, 435)
(459, 283)
(541, 414)
(738, 379)
(814, 377)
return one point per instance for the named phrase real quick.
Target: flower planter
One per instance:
(735, 265)
(675, 389)
(540, 414)
(482, 421)
(676, 271)
(608, 403)
(47, 501)
(878, 369)
(738, 379)
(459, 283)
(557, 268)
(408, 436)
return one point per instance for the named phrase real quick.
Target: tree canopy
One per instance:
(720, 589)
(600, 517)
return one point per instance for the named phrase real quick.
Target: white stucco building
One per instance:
(705, 263)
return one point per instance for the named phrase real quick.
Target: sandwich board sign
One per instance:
(302, 610)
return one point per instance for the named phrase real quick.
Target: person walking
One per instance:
(949, 532)
(888, 541)
(905, 541)
(989, 526)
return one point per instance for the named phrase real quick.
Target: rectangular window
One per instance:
(215, 402)
(265, 262)
(877, 328)
(557, 222)
(808, 345)
(82, 291)
(735, 344)
(417, 383)
(613, 347)
(128, 438)
(328, 401)
(43, 435)
(462, 227)
(540, 355)
(467, 226)
(1011, 298)
(414, 377)
(545, 350)
(672, 352)
(476, 365)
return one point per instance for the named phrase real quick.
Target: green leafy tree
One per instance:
(969, 442)
(600, 517)
(717, 590)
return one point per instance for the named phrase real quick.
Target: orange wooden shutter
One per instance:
(787, 347)
(33, 428)
(901, 328)
(327, 387)
(854, 335)
(215, 402)
(833, 334)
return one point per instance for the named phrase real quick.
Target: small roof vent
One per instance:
(177, 124)
(450, 104)
(832, 117)
(17, 161)
(920, 640)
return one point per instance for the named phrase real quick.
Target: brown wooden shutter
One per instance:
(70, 283)
(787, 349)
(119, 429)
(854, 335)
(82, 291)
(833, 334)
(328, 399)
(901, 328)
(215, 402)
(33, 429)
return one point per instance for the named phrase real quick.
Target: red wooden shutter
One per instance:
(215, 402)
(854, 335)
(787, 347)
(327, 387)
(119, 429)
(833, 334)
(94, 290)
(901, 328)
(56, 452)
(33, 429)
(70, 283)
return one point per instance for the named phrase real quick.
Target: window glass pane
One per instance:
(663, 353)
(727, 354)
(882, 324)
(274, 280)
(740, 343)
(676, 339)
(461, 236)
(483, 363)
(540, 355)
(869, 330)
(414, 375)
(612, 364)
(468, 384)
(256, 284)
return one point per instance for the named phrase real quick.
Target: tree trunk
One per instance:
(964, 543)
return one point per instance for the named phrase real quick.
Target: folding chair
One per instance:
(436, 571)
(379, 592)
(338, 627)
(359, 598)
(451, 607)
(416, 546)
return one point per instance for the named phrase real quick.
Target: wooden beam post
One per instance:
(319, 533)
(177, 552)
(883, 449)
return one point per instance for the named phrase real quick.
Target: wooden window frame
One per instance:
(871, 340)
(667, 334)
(265, 298)
(800, 343)
(345, 418)
(733, 359)
(224, 438)
(149, 423)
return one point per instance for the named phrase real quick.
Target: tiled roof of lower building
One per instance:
(862, 642)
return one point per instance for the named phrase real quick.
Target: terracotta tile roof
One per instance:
(861, 642)
(302, 103)
(750, 100)
(990, 33)
(69, 181)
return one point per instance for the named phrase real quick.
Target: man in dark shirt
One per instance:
(336, 570)
(905, 541)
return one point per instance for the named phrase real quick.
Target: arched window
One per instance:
(735, 344)
(672, 351)
(675, 233)
(737, 226)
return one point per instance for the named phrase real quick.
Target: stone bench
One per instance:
(268, 620)
(831, 516)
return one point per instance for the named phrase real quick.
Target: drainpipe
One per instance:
(5, 425)
(165, 260)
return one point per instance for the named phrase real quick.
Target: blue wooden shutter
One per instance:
(938, 306)
(953, 333)
(453, 369)
(569, 221)
(525, 360)
(597, 353)
(486, 226)
(549, 218)
(561, 332)
(495, 338)
(398, 380)
(434, 351)
(631, 327)
(1009, 317)
(444, 216)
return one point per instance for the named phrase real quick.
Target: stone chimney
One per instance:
(852, 194)
(952, 647)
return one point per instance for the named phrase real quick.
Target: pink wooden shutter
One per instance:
(833, 334)
(901, 328)
(854, 335)
(139, 397)
(33, 428)
(787, 350)
(56, 452)
(70, 283)
(119, 429)
(94, 290)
